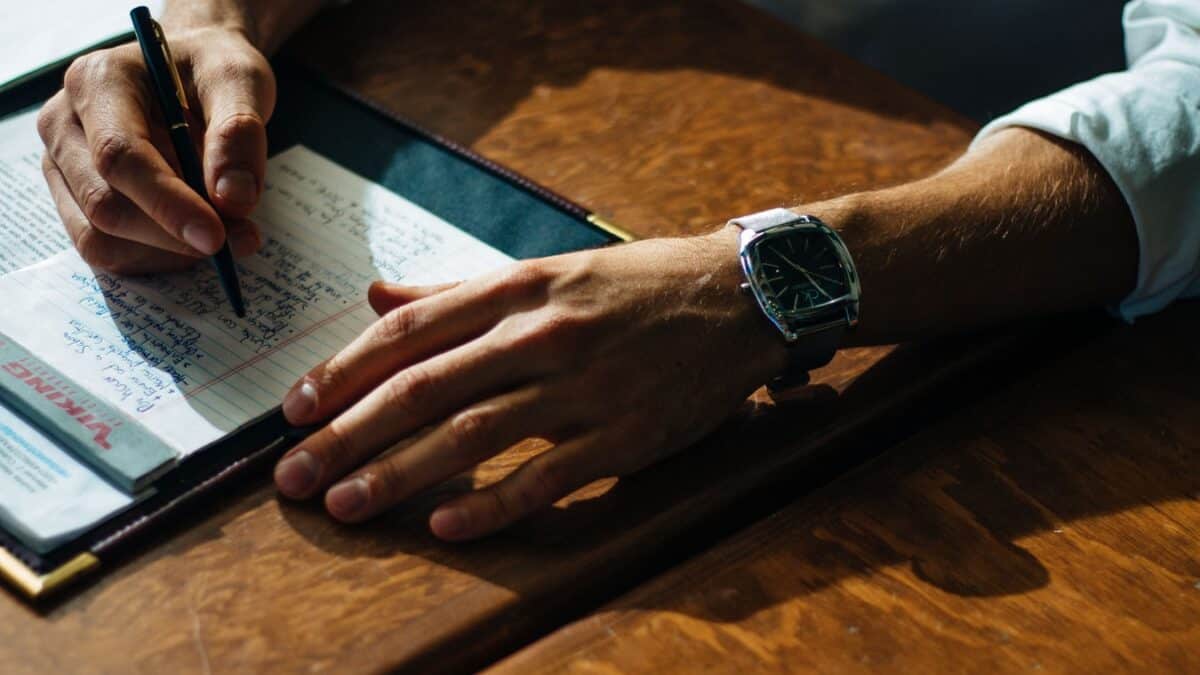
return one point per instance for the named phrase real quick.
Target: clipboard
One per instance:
(492, 203)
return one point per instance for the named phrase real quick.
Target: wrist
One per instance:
(871, 225)
(263, 25)
(224, 15)
(762, 349)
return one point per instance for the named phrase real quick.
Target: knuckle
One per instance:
(397, 324)
(387, 481)
(522, 280)
(76, 77)
(100, 67)
(239, 126)
(546, 484)
(408, 389)
(471, 430)
(498, 510)
(340, 446)
(243, 66)
(101, 206)
(332, 375)
(557, 336)
(110, 152)
(47, 119)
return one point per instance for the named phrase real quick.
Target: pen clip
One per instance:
(162, 41)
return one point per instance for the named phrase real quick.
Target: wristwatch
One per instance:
(802, 277)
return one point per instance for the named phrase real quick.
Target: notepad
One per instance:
(35, 36)
(134, 374)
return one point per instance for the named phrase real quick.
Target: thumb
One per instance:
(238, 98)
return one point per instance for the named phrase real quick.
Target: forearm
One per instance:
(1022, 225)
(266, 23)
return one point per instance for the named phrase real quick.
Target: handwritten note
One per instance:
(30, 229)
(168, 350)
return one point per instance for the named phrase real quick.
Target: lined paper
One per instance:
(169, 351)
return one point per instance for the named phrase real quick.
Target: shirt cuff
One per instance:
(1142, 127)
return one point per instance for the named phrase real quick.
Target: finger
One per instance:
(100, 250)
(384, 296)
(459, 443)
(106, 209)
(124, 156)
(245, 237)
(411, 399)
(399, 338)
(237, 99)
(535, 485)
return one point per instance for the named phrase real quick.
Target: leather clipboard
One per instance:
(489, 201)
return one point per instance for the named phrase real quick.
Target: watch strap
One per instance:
(757, 222)
(817, 350)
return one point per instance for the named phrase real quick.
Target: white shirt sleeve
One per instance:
(1143, 126)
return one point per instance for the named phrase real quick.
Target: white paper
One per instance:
(45, 494)
(168, 350)
(30, 229)
(35, 36)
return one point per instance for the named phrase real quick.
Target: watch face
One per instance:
(799, 270)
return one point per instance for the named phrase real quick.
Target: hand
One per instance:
(619, 356)
(113, 173)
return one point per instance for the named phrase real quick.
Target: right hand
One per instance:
(113, 173)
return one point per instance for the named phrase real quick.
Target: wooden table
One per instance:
(666, 117)
(1054, 527)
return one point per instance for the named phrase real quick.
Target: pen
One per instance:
(173, 100)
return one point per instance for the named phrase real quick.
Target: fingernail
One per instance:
(238, 186)
(296, 474)
(449, 523)
(348, 498)
(202, 238)
(300, 402)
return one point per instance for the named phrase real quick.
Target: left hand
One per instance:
(619, 356)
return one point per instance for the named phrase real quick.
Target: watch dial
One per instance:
(800, 270)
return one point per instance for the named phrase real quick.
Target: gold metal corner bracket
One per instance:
(618, 232)
(36, 585)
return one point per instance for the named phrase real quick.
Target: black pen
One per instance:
(173, 100)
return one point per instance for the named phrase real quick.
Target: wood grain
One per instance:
(1054, 527)
(667, 117)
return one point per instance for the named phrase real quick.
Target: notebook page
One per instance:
(30, 229)
(168, 351)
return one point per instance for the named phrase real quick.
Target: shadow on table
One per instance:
(572, 558)
(953, 503)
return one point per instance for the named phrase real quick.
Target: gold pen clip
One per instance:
(162, 40)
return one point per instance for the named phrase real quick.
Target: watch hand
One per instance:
(808, 274)
(814, 282)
